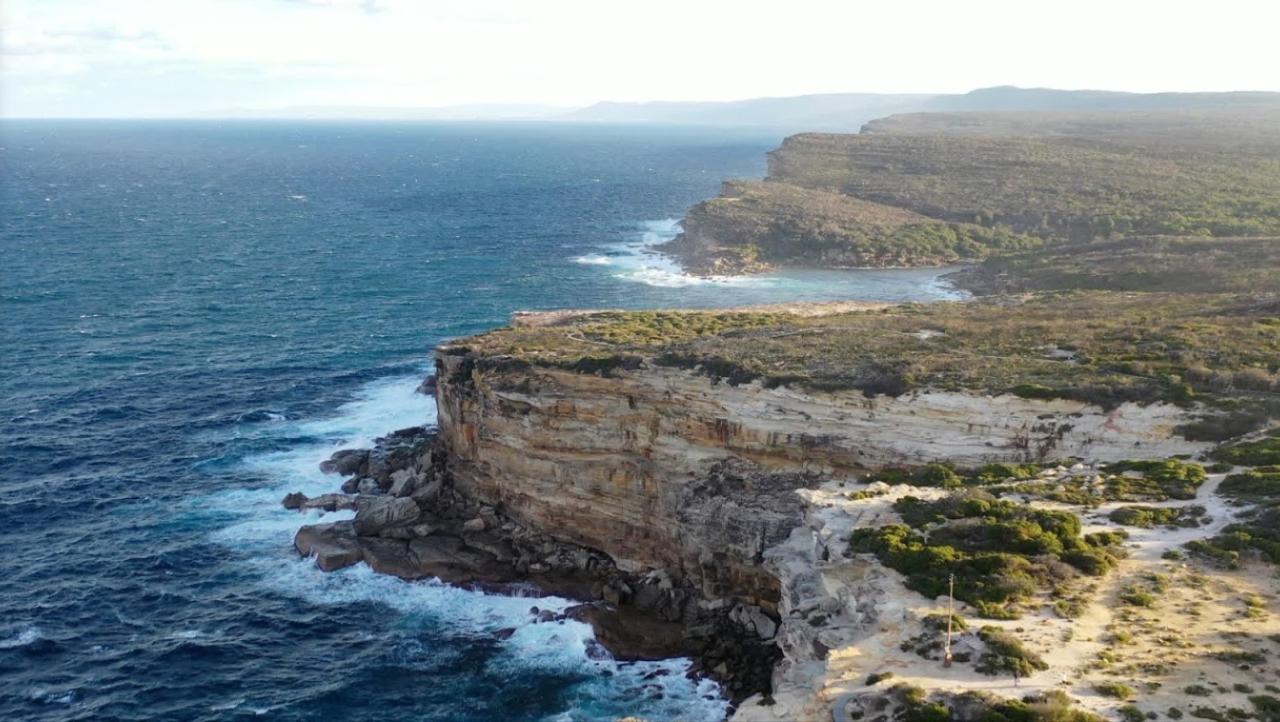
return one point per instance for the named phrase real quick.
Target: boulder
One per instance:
(492, 544)
(430, 490)
(330, 502)
(375, 514)
(754, 619)
(346, 462)
(294, 500)
(476, 524)
(333, 545)
(402, 482)
(367, 486)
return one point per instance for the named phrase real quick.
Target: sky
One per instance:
(147, 58)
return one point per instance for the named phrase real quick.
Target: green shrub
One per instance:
(1266, 707)
(1261, 534)
(1131, 713)
(1264, 452)
(1147, 517)
(1138, 597)
(937, 622)
(878, 677)
(1114, 689)
(1171, 478)
(928, 712)
(1262, 483)
(1004, 654)
(1000, 553)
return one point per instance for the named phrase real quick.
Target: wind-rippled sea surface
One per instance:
(195, 314)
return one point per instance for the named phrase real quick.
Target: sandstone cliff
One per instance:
(623, 463)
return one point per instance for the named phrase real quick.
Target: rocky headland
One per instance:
(947, 188)
(640, 462)
(819, 503)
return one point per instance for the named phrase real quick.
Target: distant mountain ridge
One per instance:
(850, 111)
(846, 112)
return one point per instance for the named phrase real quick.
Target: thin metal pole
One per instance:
(951, 596)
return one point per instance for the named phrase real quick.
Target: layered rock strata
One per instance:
(664, 497)
(411, 521)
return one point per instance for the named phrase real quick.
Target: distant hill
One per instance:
(1012, 98)
(832, 111)
(935, 188)
(850, 111)
(1243, 129)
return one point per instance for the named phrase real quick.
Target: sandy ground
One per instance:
(1158, 651)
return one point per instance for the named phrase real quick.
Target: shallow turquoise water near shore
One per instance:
(196, 313)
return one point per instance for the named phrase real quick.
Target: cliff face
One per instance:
(631, 464)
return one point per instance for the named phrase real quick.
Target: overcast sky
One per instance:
(177, 57)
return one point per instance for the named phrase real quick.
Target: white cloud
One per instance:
(134, 57)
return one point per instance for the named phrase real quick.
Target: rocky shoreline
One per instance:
(412, 521)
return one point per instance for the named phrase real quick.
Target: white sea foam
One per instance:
(636, 260)
(593, 259)
(27, 636)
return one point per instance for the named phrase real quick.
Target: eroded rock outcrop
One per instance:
(624, 463)
(412, 521)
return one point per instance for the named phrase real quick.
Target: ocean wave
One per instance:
(24, 638)
(593, 259)
(520, 645)
(637, 261)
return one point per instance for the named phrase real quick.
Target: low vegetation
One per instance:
(1115, 689)
(1261, 484)
(1150, 264)
(1148, 517)
(779, 223)
(1069, 188)
(1001, 553)
(1258, 530)
(1004, 654)
(1146, 348)
(1263, 452)
(1158, 480)
(917, 705)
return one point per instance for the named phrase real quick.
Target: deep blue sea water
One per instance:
(194, 314)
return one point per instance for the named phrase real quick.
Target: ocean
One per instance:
(195, 314)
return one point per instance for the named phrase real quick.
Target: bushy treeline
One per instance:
(1064, 188)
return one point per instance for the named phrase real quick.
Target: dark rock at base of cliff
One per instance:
(425, 527)
(376, 514)
(333, 545)
(345, 462)
(428, 386)
(630, 634)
